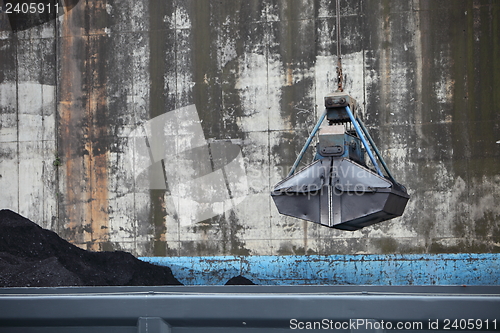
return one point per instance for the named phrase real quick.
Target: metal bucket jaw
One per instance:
(339, 193)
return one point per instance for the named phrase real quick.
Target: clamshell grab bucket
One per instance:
(338, 189)
(339, 193)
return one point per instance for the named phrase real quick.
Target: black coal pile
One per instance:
(239, 281)
(31, 256)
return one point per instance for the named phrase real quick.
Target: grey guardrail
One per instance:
(249, 308)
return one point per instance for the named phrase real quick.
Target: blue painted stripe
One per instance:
(395, 269)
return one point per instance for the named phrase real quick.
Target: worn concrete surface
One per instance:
(74, 88)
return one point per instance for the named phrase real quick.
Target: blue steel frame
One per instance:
(471, 269)
(362, 137)
(306, 145)
(359, 132)
(377, 152)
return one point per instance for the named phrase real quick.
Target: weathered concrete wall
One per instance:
(76, 90)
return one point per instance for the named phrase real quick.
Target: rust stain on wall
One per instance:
(83, 131)
(71, 119)
(98, 148)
